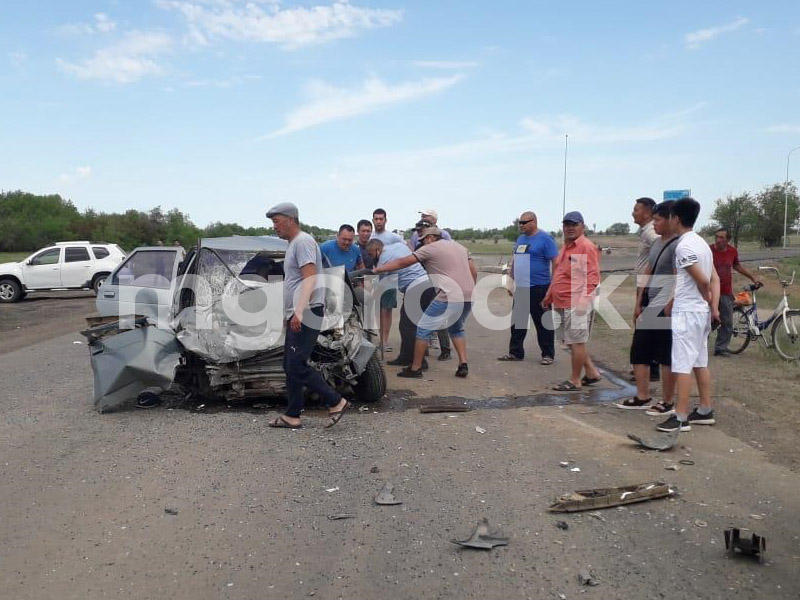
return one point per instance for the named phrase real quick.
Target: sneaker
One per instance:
(634, 403)
(674, 424)
(547, 360)
(434, 345)
(659, 408)
(444, 355)
(410, 373)
(147, 400)
(722, 352)
(397, 362)
(695, 418)
(463, 370)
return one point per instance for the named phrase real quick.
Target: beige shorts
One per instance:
(575, 325)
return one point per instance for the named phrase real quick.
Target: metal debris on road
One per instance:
(756, 546)
(658, 442)
(686, 461)
(606, 497)
(340, 516)
(385, 497)
(586, 577)
(444, 408)
(597, 516)
(333, 489)
(482, 538)
(171, 511)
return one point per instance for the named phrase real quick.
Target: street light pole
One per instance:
(564, 198)
(786, 197)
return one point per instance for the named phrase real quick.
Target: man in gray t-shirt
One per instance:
(303, 303)
(388, 300)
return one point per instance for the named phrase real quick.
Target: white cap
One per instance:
(430, 211)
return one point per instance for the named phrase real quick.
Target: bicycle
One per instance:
(785, 322)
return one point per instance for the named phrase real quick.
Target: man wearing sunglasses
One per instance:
(535, 253)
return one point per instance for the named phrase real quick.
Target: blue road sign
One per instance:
(676, 194)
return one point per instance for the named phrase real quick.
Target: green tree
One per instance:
(738, 215)
(771, 202)
(619, 229)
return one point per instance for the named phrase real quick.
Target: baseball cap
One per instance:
(429, 211)
(572, 216)
(284, 208)
(430, 231)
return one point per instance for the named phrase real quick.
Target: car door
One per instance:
(142, 284)
(77, 268)
(43, 270)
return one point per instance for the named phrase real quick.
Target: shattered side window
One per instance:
(151, 268)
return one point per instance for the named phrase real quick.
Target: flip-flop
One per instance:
(566, 386)
(335, 417)
(591, 380)
(281, 423)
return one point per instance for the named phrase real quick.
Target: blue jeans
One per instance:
(443, 315)
(297, 349)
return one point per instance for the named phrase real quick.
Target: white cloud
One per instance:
(79, 173)
(126, 61)
(102, 24)
(555, 128)
(290, 28)
(784, 128)
(679, 115)
(693, 39)
(328, 103)
(445, 64)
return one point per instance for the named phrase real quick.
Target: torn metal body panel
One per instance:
(128, 361)
(657, 442)
(608, 497)
(228, 325)
(482, 538)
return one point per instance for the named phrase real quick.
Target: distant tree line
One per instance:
(757, 216)
(29, 222)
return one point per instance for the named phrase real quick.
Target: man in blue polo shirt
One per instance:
(341, 251)
(535, 253)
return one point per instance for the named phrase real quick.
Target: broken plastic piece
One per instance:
(444, 408)
(385, 497)
(480, 429)
(607, 497)
(482, 538)
(659, 442)
(756, 546)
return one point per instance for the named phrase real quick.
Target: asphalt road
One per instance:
(194, 505)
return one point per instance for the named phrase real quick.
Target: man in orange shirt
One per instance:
(575, 278)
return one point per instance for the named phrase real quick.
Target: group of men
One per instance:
(677, 299)
(684, 287)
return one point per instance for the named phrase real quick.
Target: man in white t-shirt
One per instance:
(694, 306)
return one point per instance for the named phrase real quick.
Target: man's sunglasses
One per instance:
(525, 222)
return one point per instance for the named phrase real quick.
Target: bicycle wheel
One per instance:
(786, 335)
(741, 332)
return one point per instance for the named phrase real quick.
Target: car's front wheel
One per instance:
(98, 281)
(10, 291)
(371, 384)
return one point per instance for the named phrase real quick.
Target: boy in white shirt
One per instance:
(692, 309)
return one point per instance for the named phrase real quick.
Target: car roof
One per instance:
(252, 243)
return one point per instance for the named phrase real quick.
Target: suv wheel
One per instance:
(98, 281)
(10, 291)
(371, 384)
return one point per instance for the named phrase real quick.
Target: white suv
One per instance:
(62, 266)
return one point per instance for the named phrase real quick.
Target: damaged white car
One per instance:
(220, 335)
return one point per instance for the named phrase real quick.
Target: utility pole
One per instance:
(564, 197)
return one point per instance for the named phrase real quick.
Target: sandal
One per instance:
(336, 416)
(566, 386)
(634, 403)
(660, 408)
(281, 423)
(509, 358)
(590, 380)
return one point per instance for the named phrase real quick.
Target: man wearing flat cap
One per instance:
(303, 309)
(452, 271)
(576, 276)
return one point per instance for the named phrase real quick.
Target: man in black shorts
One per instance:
(652, 338)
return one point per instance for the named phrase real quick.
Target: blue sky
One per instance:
(222, 108)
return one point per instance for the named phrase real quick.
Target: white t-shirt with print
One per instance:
(691, 250)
